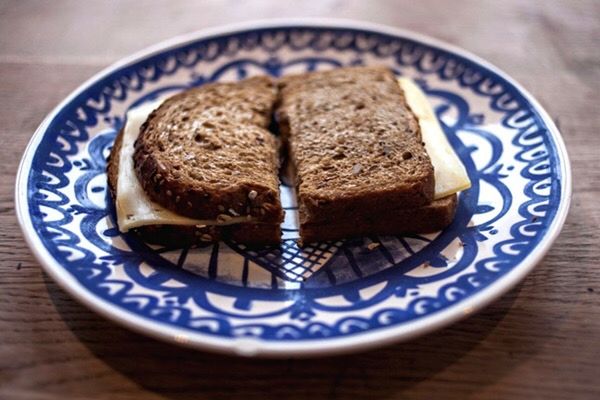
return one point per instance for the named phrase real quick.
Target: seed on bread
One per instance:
(223, 218)
(268, 207)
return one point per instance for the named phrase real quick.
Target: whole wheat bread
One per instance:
(355, 143)
(206, 153)
(180, 236)
(425, 219)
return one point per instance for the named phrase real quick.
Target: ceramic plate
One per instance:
(325, 298)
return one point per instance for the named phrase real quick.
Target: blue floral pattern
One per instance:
(325, 289)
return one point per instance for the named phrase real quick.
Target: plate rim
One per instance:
(254, 347)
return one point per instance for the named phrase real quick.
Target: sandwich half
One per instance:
(200, 167)
(362, 162)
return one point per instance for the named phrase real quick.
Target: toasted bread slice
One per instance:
(430, 218)
(207, 152)
(180, 236)
(355, 143)
(183, 236)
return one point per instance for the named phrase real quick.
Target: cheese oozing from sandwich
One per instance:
(450, 174)
(136, 209)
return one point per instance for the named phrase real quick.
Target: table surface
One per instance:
(541, 340)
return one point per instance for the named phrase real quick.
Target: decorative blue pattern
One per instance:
(326, 289)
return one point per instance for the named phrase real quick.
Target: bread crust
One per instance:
(207, 152)
(430, 218)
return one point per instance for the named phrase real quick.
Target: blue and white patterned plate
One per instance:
(330, 297)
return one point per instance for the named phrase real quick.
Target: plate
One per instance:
(326, 298)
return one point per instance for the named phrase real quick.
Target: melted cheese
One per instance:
(450, 173)
(134, 207)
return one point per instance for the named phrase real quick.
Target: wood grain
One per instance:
(541, 340)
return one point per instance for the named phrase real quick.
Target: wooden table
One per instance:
(541, 340)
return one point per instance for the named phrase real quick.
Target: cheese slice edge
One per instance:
(450, 173)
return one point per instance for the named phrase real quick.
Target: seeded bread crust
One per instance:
(355, 143)
(207, 153)
(430, 218)
(182, 236)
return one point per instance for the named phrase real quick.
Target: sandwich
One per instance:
(369, 155)
(200, 166)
